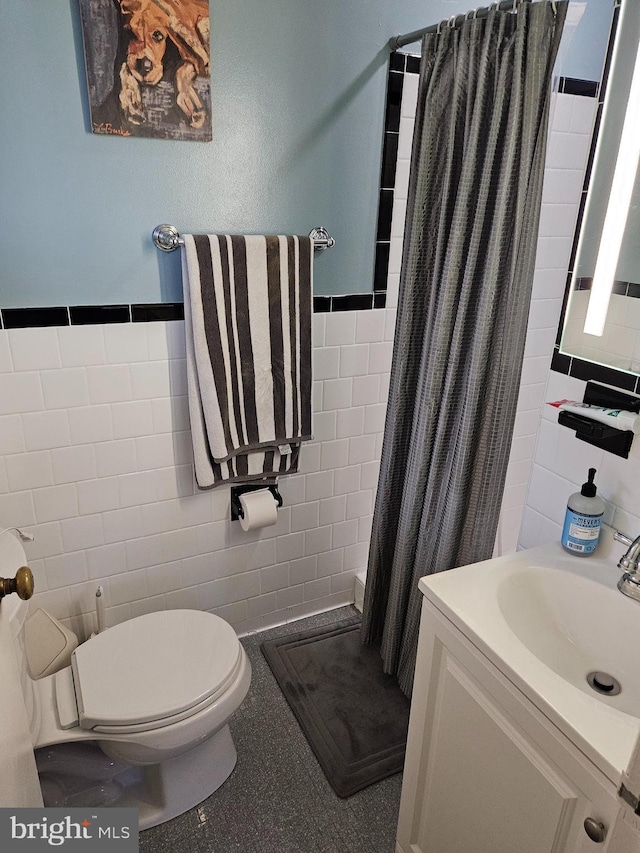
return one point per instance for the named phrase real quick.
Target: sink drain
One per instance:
(604, 683)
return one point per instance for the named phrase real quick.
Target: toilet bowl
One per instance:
(155, 691)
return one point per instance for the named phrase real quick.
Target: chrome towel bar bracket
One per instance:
(167, 238)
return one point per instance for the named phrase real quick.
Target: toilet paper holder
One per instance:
(236, 508)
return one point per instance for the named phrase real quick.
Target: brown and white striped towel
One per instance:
(248, 329)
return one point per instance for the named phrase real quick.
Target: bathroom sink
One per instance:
(547, 620)
(575, 627)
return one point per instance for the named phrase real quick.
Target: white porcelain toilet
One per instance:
(155, 691)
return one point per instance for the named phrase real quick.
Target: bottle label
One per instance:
(581, 533)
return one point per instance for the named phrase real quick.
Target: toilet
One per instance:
(156, 691)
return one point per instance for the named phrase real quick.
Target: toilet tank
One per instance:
(19, 787)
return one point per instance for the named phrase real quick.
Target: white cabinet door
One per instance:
(484, 774)
(488, 789)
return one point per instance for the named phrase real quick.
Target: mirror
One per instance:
(602, 319)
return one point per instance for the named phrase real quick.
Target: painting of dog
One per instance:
(148, 67)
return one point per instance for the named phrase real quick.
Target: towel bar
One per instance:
(167, 238)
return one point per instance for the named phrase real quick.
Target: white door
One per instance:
(19, 786)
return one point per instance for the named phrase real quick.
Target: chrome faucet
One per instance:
(629, 563)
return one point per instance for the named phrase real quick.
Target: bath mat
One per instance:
(353, 715)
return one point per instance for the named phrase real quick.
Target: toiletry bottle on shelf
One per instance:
(583, 519)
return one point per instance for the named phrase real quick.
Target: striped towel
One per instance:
(248, 330)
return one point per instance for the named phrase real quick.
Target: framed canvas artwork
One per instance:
(147, 67)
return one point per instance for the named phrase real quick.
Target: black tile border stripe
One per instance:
(352, 302)
(85, 315)
(574, 86)
(631, 289)
(562, 362)
(578, 368)
(397, 61)
(96, 315)
(385, 213)
(399, 65)
(160, 311)
(389, 160)
(349, 302)
(381, 266)
(33, 318)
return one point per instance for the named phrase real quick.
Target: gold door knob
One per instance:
(595, 830)
(22, 584)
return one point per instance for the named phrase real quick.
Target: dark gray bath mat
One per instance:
(353, 715)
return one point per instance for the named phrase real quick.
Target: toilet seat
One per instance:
(154, 670)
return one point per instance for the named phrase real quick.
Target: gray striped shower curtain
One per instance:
(469, 251)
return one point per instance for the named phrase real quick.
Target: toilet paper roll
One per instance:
(260, 509)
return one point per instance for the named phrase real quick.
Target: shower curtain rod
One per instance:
(396, 42)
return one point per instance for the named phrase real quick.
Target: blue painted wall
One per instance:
(584, 56)
(298, 94)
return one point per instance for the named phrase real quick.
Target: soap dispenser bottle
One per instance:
(583, 519)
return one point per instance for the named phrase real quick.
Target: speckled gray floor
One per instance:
(277, 799)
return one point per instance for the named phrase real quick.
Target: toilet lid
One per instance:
(154, 666)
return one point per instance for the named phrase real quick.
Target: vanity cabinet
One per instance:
(486, 771)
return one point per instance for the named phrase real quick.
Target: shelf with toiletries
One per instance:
(607, 417)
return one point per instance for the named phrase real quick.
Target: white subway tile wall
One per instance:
(571, 126)
(96, 461)
(560, 466)
(561, 461)
(95, 455)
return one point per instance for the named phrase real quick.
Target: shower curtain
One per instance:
(469, 251)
